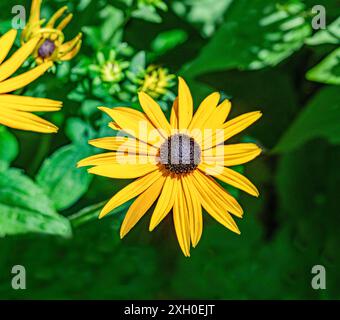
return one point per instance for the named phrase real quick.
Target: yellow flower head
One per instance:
(15, 111)
(156, 81)
(176, 162)
(51, 46)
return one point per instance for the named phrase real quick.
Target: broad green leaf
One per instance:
(60, 177)
(307, 183)
(319, 119)
(330, 35)
(254, 36)
(9, 147)
(328, 70)
(25, 208)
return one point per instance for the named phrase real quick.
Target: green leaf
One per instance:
(25, 208)
(9, 147)
(319, 119)
(168, 40)
(147, 13)
(79, 131)
(89, 107)
(328, 70)
(254, 37)
(308, 192)
(113, 19)
(60, 177)
(138, 62)
(330, 35)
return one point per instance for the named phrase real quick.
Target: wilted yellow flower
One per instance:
(15, 111)
(51, 46)
(156, 81)
(175, 163)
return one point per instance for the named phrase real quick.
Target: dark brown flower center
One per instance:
(180, 154)
(46, 49)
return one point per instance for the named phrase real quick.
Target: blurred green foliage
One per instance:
(262, 54)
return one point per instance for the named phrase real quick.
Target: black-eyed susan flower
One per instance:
(15, 110)
(176, 162)
(52, 45)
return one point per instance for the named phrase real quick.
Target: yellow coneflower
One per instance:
(156, 81)
(51, 46)
(15, 110)
(175, 163)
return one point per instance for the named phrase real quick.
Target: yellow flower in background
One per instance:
(15, 110)
(156, 81)
(52, 45)
(176, 163)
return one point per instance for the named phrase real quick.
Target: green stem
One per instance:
(91, 213)
(43, 149)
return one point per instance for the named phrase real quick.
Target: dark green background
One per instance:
(291, 227)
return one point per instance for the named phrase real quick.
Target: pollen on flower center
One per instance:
(46, 49)
(180, 154)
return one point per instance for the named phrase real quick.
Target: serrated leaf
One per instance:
(328, 70)
(330, 35)
(254, 37)
(60, 177)
(25, 208)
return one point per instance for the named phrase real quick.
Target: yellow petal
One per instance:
(134, 123)
(204, 111)
(154, 112)
(24, 79)
(231, 128)
(194, 210)
(132, 190)
(123, 171)
(123, 144)
(17, 59)
(70, 55)
(220, 196)
(220, 115)
(174, 115)
(231, 155)
(65, 21)
(208, 201)
(55, 17)
(116, 158)
(70, 45)
(114, 126)
(141, 205)
(165, 202)
(26, 121)
(185, 104)
(181, 221)
(6, 43)
(31, 104)
(35, 12)
(231, 177)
